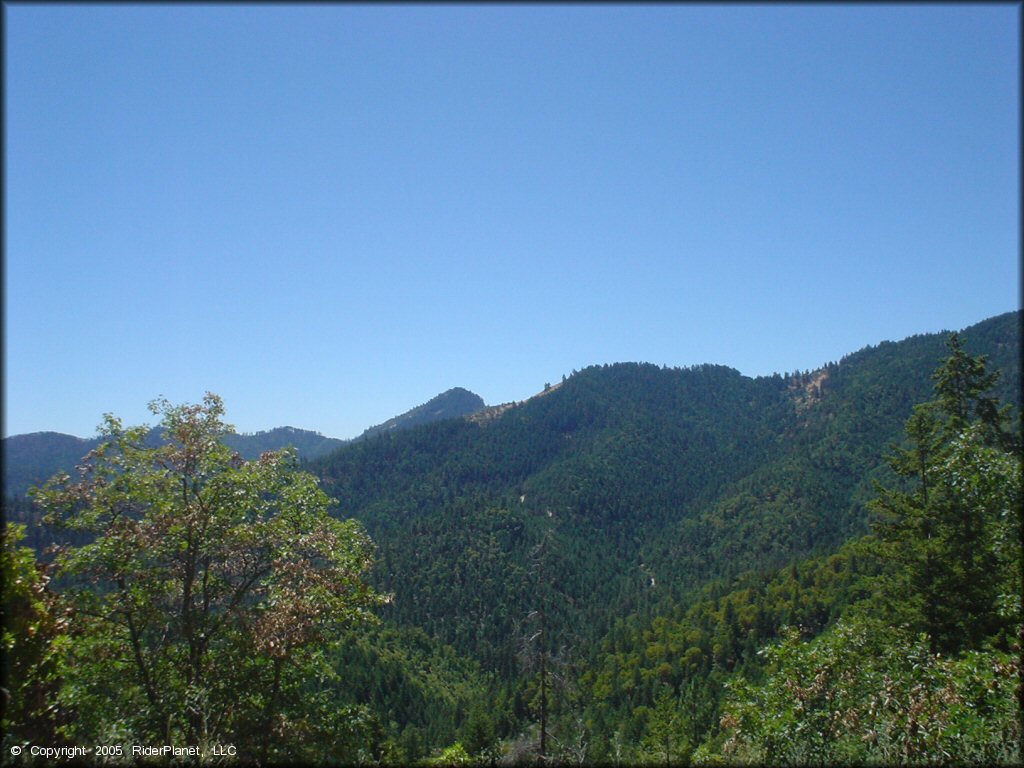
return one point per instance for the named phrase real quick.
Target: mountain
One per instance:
(307, 444)
(453, 404)
(34, 458)
(635, 475)
(665, 522)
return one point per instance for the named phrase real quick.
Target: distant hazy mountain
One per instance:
(309, 445)
(453, 404)
(34, 458)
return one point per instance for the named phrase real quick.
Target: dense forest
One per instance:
(638, 565)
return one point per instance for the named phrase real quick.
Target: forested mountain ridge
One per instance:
(643, 487)
(34, 458)
(451, 404)
(671, 521)
(642, 473)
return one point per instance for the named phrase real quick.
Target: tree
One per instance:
(667, 723)
(961, 384)
(960, 498)
(541, 659)
(547, 664)
(33, 624)
(208, 587)
(867, 692)
(479, 732)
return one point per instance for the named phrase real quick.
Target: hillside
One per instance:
(307, 444)
(452, 404)
(651, 481)
(667, 522)
(33, 458)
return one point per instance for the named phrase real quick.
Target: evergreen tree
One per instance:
(938, 529)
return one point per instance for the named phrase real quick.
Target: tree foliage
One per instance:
(207, 590)
(930, 670)
(33, 621)
(865, 692)
(948, 526)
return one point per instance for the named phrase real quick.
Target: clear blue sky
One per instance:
(328, 214)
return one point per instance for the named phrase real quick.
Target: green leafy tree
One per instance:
(867, 692)
(963, 384)
(456, 754)
(206, 590)
(34, 624)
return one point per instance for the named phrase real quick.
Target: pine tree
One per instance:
(936, 529)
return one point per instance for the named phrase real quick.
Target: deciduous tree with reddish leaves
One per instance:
(207, 591)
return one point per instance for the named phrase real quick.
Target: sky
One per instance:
(328, 214)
